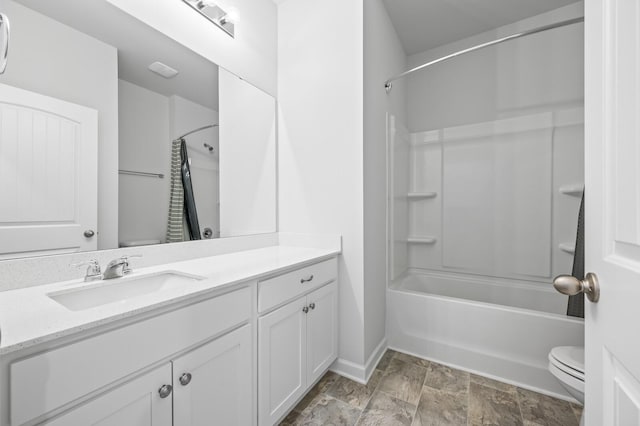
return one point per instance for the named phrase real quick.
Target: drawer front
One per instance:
(49, 380)
(277, 290)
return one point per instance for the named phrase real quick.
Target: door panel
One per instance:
(219, 390)
(49, 174)
(282, 362)
(612, 216)
(136, 403)
(322, 330)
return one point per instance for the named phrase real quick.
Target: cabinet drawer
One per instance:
(47, 381)
(277, 290)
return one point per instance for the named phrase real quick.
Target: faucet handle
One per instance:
(126, 269)
(93, 269)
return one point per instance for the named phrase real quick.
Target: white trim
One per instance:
(350, 370)
(375, 358)
(357, 372)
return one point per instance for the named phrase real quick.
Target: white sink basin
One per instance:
(121, 289)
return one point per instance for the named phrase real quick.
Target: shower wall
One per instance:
(488, 172)
(205, 165)
(144, 145)
(148, 122)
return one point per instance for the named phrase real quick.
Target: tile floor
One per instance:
(405, 390)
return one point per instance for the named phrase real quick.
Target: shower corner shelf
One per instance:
(574, 190)
(567, 248)
(422, 240)
(421, 195)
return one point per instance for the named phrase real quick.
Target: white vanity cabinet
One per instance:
(135, 403)
(297, 340)
(212, 384)
(139, 371)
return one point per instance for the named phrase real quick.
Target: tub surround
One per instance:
(29, 317)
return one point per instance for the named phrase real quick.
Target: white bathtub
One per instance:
(494, 328)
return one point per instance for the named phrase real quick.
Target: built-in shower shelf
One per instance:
(422, 240)
(568, 248)
(421, 195)
(574, 190)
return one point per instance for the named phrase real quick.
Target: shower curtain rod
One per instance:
(195, 131)
(388, 85)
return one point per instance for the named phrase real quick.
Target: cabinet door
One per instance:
(322, 330)
(135, 403)
(281, 360)
(212, 384)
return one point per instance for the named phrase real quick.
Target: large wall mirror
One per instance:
(114, 135)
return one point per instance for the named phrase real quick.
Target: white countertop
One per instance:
(29, 317)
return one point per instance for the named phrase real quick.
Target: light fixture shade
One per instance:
(214, 13)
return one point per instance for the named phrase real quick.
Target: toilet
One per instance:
(566, 363)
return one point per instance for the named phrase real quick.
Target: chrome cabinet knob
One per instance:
(306, 280)
(165, 391)
(305, 309)
(89, 233)
(312, 306)
(185, 379)
(570, 285)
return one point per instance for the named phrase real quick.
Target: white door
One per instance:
(612, 215)
(48, 175)
(136, 403)
(322, 330)
(282, 360)
(212, 384)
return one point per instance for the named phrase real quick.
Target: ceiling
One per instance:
(138, 46)
(425, 24)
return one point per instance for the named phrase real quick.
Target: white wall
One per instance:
(148, 123)
(539, 72)
(320, 142)
(186, 116)
(383, 57)
(52, 59)
(250, 55)
(248, 158)
(144, 146)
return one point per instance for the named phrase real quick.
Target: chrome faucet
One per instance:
(93, 270)
(118, 267)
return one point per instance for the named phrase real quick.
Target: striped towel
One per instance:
(175, 229)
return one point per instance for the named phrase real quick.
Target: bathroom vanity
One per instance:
(238, 337)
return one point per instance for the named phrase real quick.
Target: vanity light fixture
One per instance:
(214, 13)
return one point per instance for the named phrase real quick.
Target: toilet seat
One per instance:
(566, 363)
(569, 359)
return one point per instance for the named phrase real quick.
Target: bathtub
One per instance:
(492, 327)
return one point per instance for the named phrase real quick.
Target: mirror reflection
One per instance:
(113, 134)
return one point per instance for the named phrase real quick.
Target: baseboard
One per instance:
(350, 370)
(375, 357)
(358, 372)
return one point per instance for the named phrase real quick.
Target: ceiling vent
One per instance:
(163, 70)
